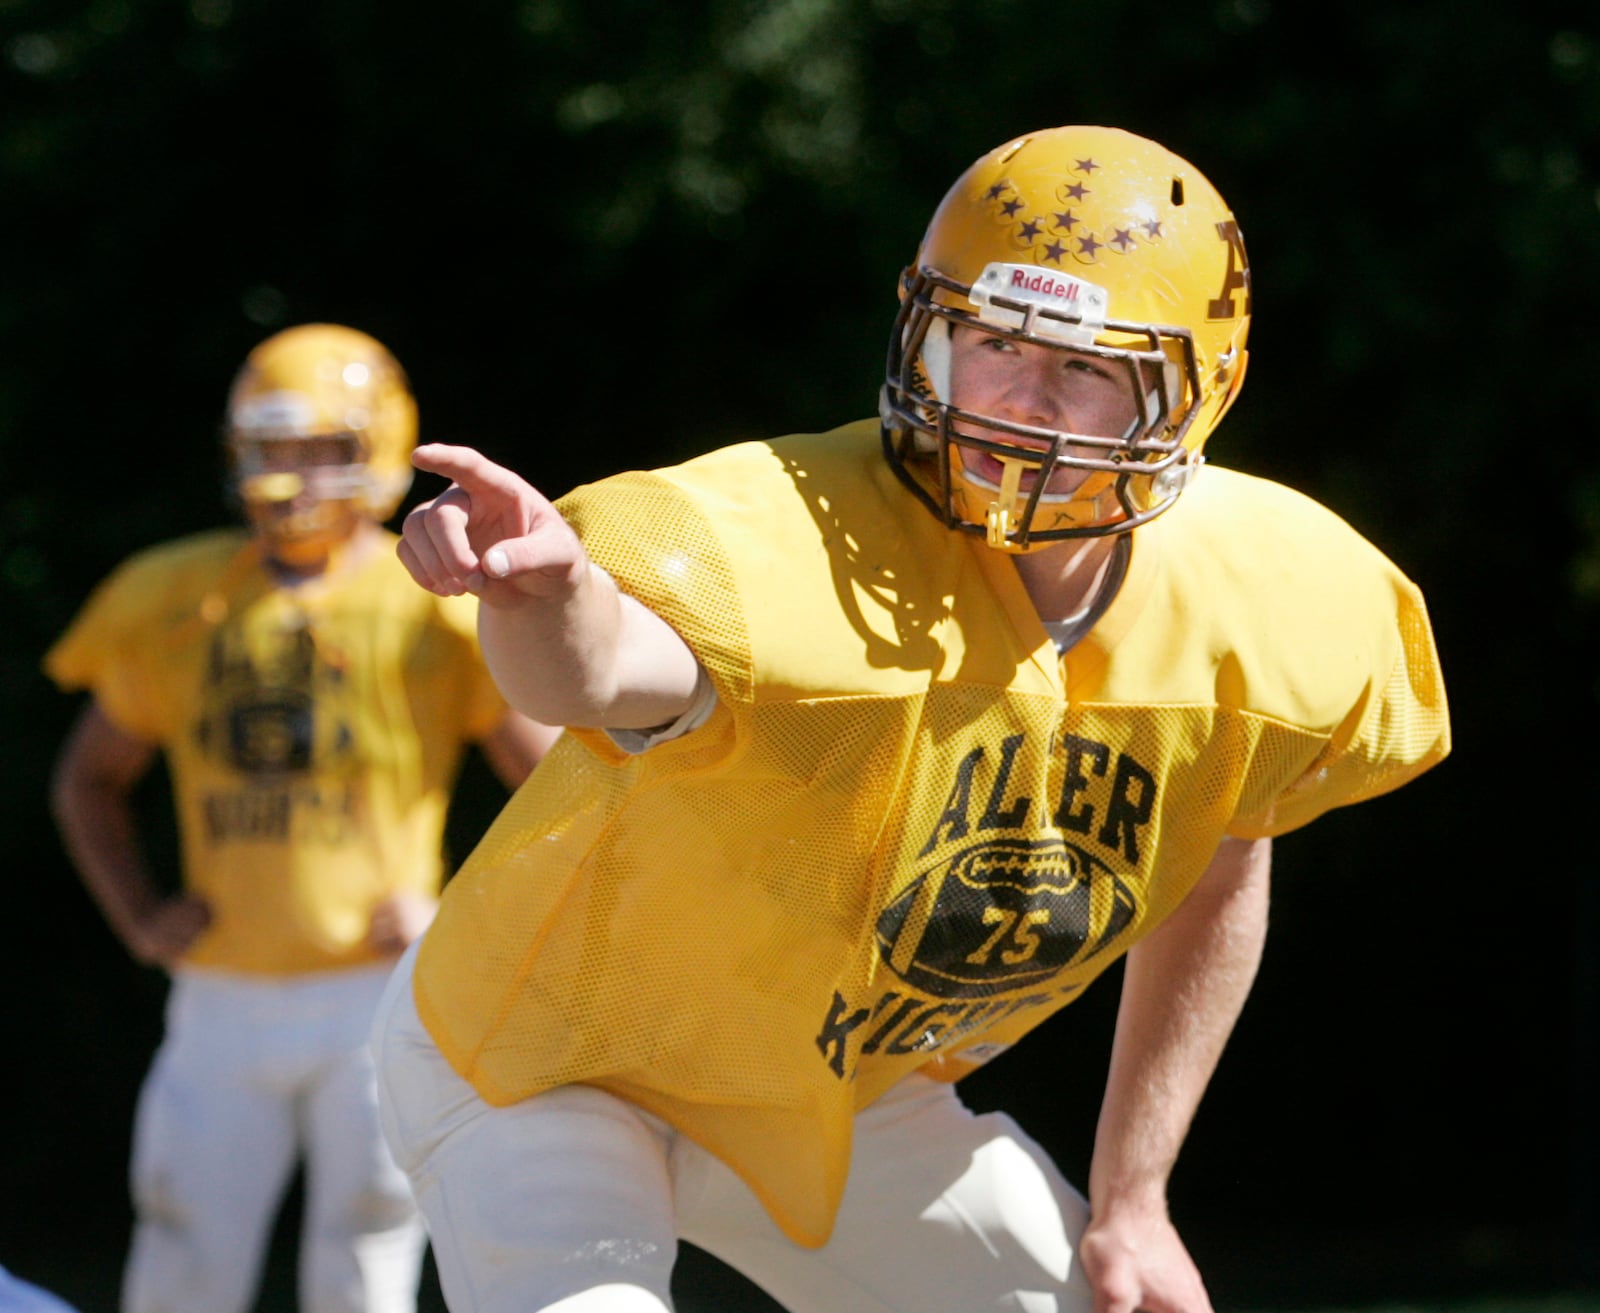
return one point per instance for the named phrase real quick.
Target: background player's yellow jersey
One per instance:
(312, 734)
(911, 830)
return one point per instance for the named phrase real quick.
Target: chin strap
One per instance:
(1000, 519)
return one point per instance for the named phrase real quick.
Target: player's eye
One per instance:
(335, 449)
(1083, 365)
(998, 344)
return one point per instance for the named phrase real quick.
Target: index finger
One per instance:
(468, 468)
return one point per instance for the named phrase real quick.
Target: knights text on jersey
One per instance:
(312, 735)
(910, 832)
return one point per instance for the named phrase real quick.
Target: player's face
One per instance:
(1043, 387)
(297, 495)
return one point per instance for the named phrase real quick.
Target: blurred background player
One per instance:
(892, 740)
(313, 707)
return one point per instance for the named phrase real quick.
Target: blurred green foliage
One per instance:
(609, 234)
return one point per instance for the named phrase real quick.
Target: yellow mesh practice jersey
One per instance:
(910, 831)
(312, 735)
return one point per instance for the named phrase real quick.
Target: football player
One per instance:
(885, 743)
(313, 707)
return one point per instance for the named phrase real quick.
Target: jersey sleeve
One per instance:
(109, 650)
(664, 547)
(661, 546)
(1395, 731)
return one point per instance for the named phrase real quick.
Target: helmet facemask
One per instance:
(1127, 479)
(301, 487)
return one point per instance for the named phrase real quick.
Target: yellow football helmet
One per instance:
(1083, 239)
(323, 410)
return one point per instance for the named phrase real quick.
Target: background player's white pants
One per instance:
(19, 1296)
(253, 1074)
(574, 1200)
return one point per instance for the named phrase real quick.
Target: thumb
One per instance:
(497, 562)
(544, 562)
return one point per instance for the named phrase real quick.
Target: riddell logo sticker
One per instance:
(1044, 301)
(1045, 284)
(1002, 915)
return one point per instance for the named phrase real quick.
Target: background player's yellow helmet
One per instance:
(333, 384)
(1084, 238)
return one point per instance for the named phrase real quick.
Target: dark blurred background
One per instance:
(611, 233)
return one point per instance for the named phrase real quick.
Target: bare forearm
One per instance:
(515, 746)
(1183, 990)
(101, 838)
(591, 657)
(90, 795)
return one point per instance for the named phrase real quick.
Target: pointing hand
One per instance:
(489, 533)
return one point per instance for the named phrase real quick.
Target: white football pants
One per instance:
(19, 1296)
(253, 1075)
(574, 1200)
